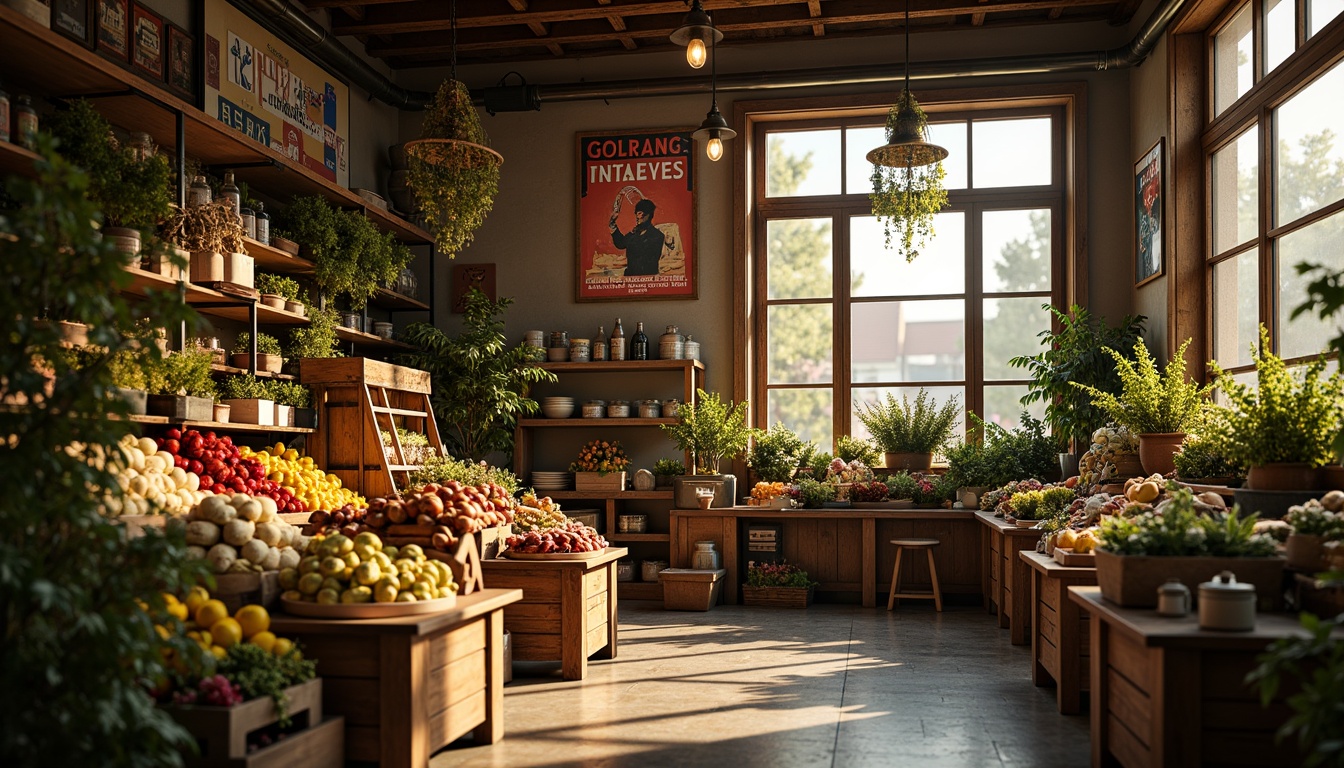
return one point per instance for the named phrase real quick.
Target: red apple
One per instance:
(206, 481)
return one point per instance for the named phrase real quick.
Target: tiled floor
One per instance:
(830, 686)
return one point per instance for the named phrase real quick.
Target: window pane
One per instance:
(940, 268)
(800, 343)
(803, 163)
(1011, 328)
(1236, 196)
(806, 411)
(1310, 165)
(1320, 13)
(864, 397)
(1318, 243)
(1236, 309)
(1011, 153)
(1280, 32)
(908, 341)
(1232, 73)
(1246, 378)
(859, 172)
(1017, 250)
(799, 258)
(1003, 405)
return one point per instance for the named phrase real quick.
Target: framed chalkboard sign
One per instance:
(74, 19)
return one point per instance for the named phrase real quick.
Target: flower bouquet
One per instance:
(843, 476)
(600, 467)
(777, 584)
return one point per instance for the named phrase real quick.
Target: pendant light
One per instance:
(695, 29)
(907, 136)
(714, 130)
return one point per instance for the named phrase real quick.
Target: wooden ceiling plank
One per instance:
(1055, 13)
(518, 5)
(555, 50)
(1124, 12)
(539, 29)
(628, 42)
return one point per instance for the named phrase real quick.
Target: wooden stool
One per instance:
(927, 545)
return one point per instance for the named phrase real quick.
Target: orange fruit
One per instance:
(195, 599)
(210, 612)
(282, 646)
(264, 640)
(253, 619)
(226, 632)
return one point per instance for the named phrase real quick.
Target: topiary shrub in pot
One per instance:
(269, 356)
(774, 454)
(1203, 460)
(711, 430)
(248, 399)
(180, 386)
(909, 434)
(666, 469)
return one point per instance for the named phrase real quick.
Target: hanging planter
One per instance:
(907, 185)
(454, 175)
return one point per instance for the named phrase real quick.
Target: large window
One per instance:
(841, 320)
(1274, 149)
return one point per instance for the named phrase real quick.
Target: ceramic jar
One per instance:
(1173, 599)
(671, 345)
(704, 558)
(648, 409)
(670, 407)
(618, 409)
(579, 350)
(650, 569)
(1226, 605)
(594, 409)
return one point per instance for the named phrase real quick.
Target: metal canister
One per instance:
(249, 222)
(618, 409)
(649, 409)
(671, 345)
(692, 351)
(594, 409)
(579, 350)
(25, 123)
(670, 407)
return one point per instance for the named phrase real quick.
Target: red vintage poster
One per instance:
(636, 227)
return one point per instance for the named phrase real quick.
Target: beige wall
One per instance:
(1148, 121)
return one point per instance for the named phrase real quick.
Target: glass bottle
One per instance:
(199, 192)
(263, 225)
(617, 344)
(249, 222)
(4, 115)
(231, 194)
(600, 345)
(25, 123)
(639, 344)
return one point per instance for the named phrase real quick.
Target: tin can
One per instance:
(649, 409)
(618, 409)
(671, 345)
(692, 349)
(579, 350)
(670, 408)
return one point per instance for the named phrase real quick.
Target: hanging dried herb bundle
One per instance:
(454, 174)
(212, 227)
(906, 199)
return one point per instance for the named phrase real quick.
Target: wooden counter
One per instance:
(1059, 638)
(1007, 578)
(1167, 693)
(411, 685)
(846, 550)
(568, 610)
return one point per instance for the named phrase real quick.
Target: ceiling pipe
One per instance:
(287, 19)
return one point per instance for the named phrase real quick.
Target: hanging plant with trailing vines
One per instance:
(905, 200)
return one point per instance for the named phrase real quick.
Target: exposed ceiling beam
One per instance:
(814, 10)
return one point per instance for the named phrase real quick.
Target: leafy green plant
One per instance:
(906, 428)
(244, 387)
(1074, 355)
(266, 344)
(774, 453)
(1312, 519)
(1285, 419)
(441, 469)
(812, 494)
(852, 448)
(1177, 530)
(711, 430)
(289, 393)
(455, 183)
(78, 650)
(311, 222)
(1202, 454)
(279, 285)
(1148, 401)
(777, 575)
(480, 382)
(668, 467)
(1026, 504)
(258, 672)
(126, 368)
(902, 485)
(1316, 663)
(906, 199)
(318, 339)
(181, 373)
(1025, 451)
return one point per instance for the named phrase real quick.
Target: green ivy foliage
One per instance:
(1150, 401)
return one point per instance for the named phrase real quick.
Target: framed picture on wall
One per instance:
(113, 29)
(1149, 196)
(74, 19)
(147, 42)
(179, 63)
(636, 216)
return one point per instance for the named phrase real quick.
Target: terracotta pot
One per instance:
(295, 306)
(908, 461)
(1283, 477)
(1304, 552)
(1331, 478)
(222, 413)
(1156, 450)
(274, 301)
(1128, 465)
(286, 245)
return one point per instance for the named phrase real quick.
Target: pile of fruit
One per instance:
(1098, 465)
(222, 467)
(150, 479)
(534, 514)
(298, 475)
(207, 621)
(573, 536)
(438, 516)
(240, 534)
(765, 492)
(340, 569)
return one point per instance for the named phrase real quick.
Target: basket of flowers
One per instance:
(600, 467)
(781, 585)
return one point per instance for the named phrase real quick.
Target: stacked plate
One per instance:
(557, 407)
(551, 481)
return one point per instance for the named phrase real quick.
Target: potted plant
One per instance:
(906, 199)
(249, 400)
(909, 434)
(352, 258)
(842, 476)
(1283, 429)
(711, 430)
(283, 241)
(600, 467)
(269, 357)
(902, 487)
(1313, 524)
(810, 493)
(1159, 408)
(1041, 504)
(221, 410)
(279, 292)
(1074, 354)
(1138, 554)
(296, 398)
(213, 236)
(180, 386)
(969, 469)
(780, 585)
(127, 369)
(774, 454)
(315, 341)
(666, 469)
(850, 449)
(1202, 459)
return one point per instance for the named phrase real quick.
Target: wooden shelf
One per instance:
(618, 495)
(219, 368)
(140, 419)
(275, 260)
(638, 537)
(390, 299)
(603, 422)
(265, 315)
(359, 338)
(623, 366)
(638, 590)
(17, 161)
(405, 467)
(400, 411)
(232, 427)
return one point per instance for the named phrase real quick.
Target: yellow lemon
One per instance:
(210, 612)
(218, 651)
(263, 640)
(226, 632)
(291, 454)
(196, 597)
(252, 619)
(282, 646)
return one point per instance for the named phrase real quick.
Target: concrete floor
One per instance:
(830, 686)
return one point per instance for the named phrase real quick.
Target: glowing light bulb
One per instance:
(695, 53)
(714, 148)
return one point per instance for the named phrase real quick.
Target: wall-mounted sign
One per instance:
(267, 91)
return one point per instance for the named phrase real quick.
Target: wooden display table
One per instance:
(1166, 693)
(846, 550)
(411, 685)
(568, 610)
(1007, 577)
(1059, 647)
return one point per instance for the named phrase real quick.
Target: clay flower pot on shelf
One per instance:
(1156, 450)
(908, 461)
(272, 300)
(124, 239)
(1305, 552)
(1297, 476)
(222, 413)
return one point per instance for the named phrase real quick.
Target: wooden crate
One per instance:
(778, 597)
(1132, 582)
(691, 590)
(239, 589)
(321, 746)
(221, 732)
(592, 482)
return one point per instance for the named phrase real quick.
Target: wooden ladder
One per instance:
(380, 407)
